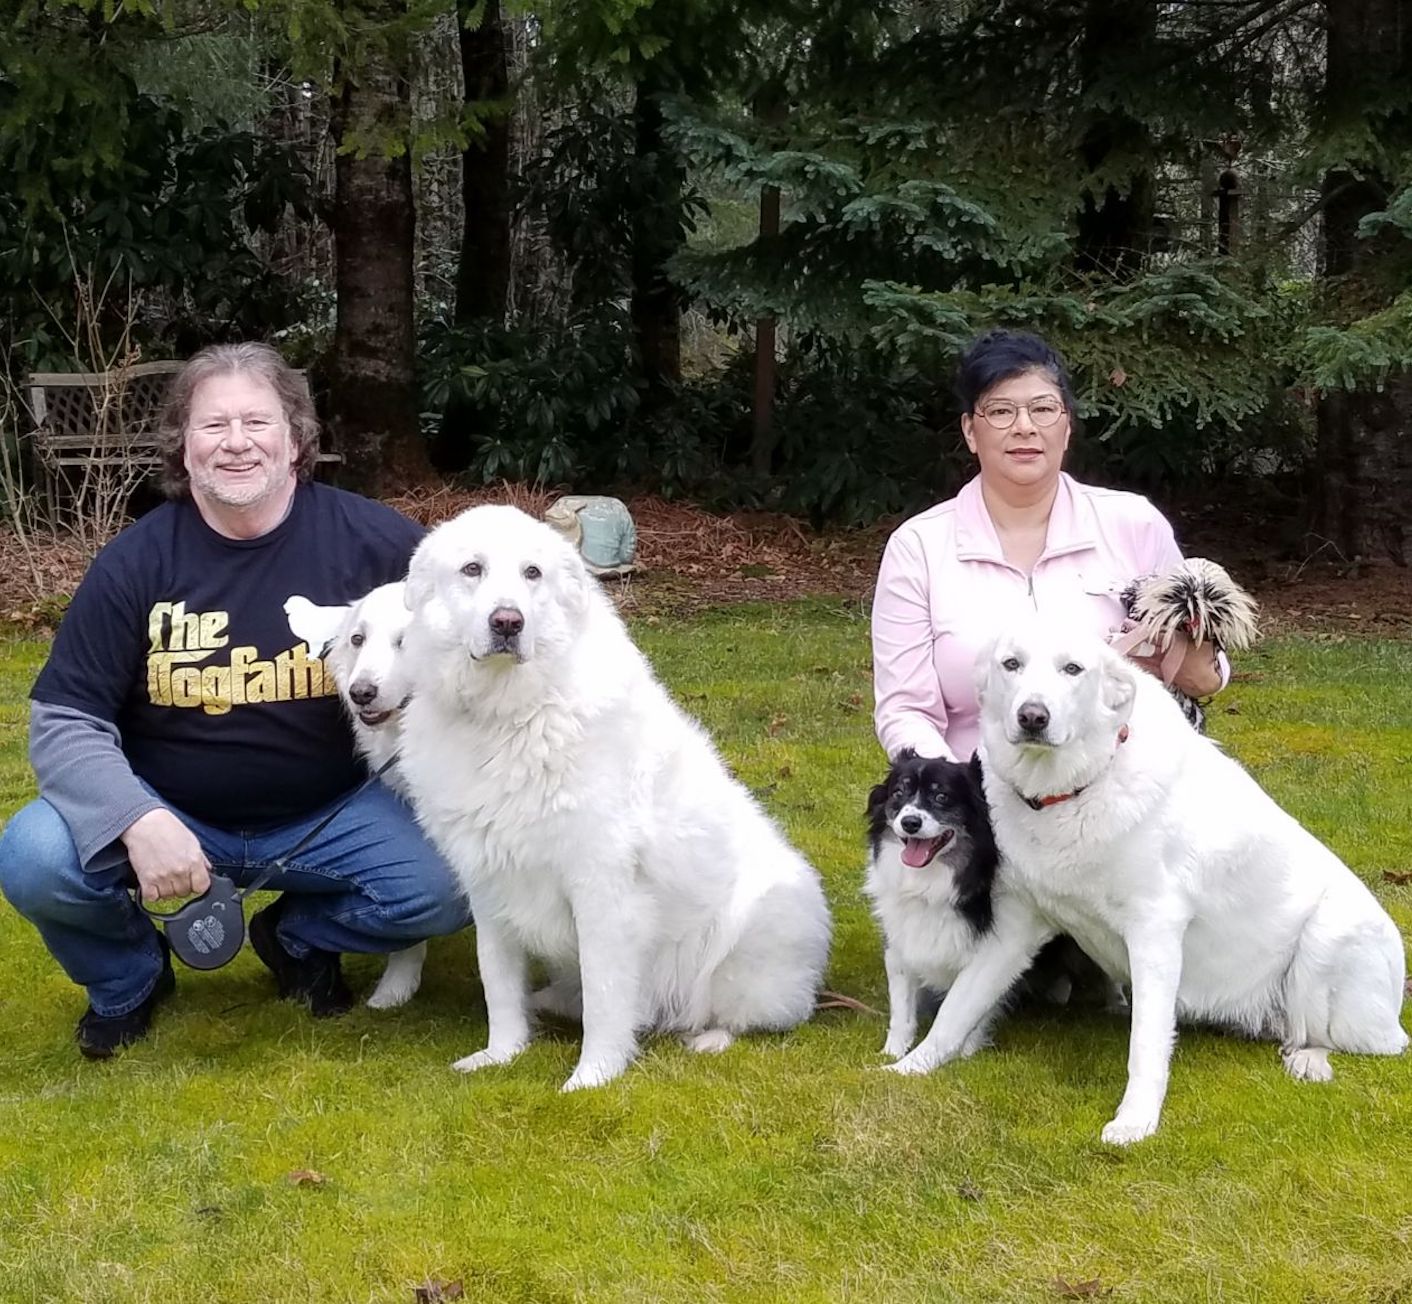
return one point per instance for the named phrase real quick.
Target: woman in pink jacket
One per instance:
(1020, 537)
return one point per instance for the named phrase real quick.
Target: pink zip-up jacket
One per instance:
(944, 588)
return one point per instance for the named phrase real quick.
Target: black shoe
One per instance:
(101, 1036)
(317, 979)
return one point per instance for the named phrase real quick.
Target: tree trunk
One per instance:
(771, 110)
(1115, 220)
(483, 278)
(1364, 461)
(656, 235)
(483, 275)
(373, 404)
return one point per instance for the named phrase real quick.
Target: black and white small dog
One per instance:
(930, 880)
(933, 882)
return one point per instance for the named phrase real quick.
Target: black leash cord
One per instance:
(275, 867)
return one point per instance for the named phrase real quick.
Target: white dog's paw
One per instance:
(913, 1064)
(400, 980)
(389, 995)
(710, 1042)
(486, 1058)
(1308, 1064)
(1130, 1126)
(597, 1073)
(897, 1045)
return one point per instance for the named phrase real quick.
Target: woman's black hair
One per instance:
(1001, 355)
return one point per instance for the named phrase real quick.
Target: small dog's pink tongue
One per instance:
(917, 852)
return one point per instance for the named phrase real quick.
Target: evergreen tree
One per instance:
(1360, 355)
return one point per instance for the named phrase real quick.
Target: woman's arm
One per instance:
(909, 710)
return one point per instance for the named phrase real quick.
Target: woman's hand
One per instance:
(1198, 675)
(165, 856)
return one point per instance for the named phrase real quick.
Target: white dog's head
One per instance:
(497, 584)
(1044, 688)
(361, 644)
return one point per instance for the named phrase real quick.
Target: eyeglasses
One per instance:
(1002, 413)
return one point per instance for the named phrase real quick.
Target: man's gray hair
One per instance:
(258, 360)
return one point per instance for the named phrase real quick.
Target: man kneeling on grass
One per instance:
(178, 727)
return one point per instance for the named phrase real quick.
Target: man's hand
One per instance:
(165, 856)
(1198, 675)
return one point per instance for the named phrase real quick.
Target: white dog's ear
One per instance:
(980, 672)
(315, 625)
(576, 580)
(419, 586)
(1119, 683)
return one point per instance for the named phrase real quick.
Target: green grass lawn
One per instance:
(788, 1168)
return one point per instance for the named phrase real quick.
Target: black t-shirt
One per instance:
(178, 636)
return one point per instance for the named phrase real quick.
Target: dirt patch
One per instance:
(690, 558)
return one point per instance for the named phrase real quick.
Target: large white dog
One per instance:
(361, 644)
(1118, 824)
(592, 822)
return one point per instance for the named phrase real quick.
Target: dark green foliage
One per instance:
(858, 438)
(105, 181)
(588, 186)
(552, 401)
(943, 168)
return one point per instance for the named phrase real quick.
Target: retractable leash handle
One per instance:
(209, 930)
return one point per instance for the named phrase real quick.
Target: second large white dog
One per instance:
(592, 822)
(1118, 824)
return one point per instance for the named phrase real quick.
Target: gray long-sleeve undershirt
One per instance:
(82, 772)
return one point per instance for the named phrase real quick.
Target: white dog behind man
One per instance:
(593, 824)
(361, 646)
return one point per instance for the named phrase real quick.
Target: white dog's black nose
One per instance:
(362, 692)
(1033, 717)
(506, 621)
(910, 823)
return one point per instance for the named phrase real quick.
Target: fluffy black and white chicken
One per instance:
(1196, 600)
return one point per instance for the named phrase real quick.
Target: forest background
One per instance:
(729, 252)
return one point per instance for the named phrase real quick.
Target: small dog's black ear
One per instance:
(975, 771)
(906, 754)
(877, 799)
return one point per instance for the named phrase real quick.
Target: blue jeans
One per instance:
(368, 882)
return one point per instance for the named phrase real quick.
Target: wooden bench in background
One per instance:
(100, 428)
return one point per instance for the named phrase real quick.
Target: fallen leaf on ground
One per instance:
(776, 725)
(306, 1177)
(1118, 377)
(1079, 1289)
(1398, 876)
(969, 1191)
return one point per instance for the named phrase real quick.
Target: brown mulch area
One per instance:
(690, 558)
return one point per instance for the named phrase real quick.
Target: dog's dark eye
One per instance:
(533, 572)
(1073, 668)
(472, 570)
(1010, 663)
(357, 640)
